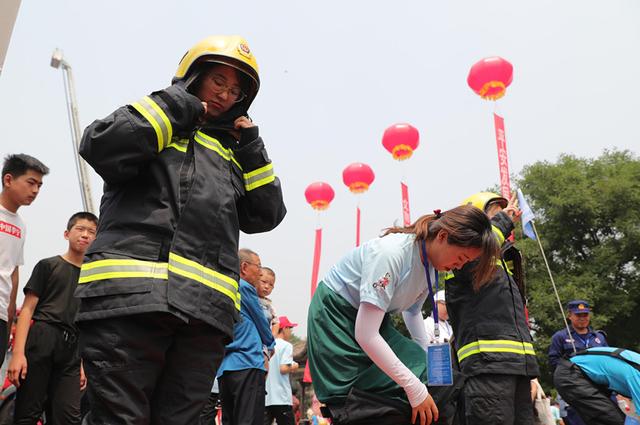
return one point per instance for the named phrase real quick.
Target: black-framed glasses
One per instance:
(219, 85)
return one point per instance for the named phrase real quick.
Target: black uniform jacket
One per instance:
(175, 197)
(489, 326)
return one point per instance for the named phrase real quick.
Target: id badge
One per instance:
(439, 372)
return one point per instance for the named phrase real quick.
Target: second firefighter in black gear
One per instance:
(491, 335)
(184, 170)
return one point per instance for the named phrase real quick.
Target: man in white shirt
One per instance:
(443, 325)
(21, 181)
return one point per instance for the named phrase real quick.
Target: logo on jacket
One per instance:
(382, 282)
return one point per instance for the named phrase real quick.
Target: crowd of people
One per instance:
(153, 315)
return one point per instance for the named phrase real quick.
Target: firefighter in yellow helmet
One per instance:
(491, 337)
(184, 170)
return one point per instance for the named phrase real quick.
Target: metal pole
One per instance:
(74, 123)
(555, 289)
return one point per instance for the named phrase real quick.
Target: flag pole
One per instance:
(555, 289)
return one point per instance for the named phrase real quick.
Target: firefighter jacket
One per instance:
(489, 326)
(175, 197)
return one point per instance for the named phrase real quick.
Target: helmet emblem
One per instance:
(243, 49)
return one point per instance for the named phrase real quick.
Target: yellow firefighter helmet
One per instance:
(231, 50)
(482, 200)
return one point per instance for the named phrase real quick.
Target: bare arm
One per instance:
(18, 366)
(288, 368)
(11, 312)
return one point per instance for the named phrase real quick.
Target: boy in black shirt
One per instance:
(46, 366)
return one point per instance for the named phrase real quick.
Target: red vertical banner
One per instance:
(358, 226)
(314, 283)
(406, 215)
(306, 378)
(316, 260)
(503, 160)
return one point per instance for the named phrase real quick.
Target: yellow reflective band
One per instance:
(213, 144)
(495, 346)
(209, 277)
(180, 145)
(509, 263)
(259, 177)
(157, 118)
(448, 275)
(121, 269)
(498, 233)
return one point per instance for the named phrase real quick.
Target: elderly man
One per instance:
(242, 372)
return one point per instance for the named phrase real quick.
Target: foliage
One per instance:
(588, 218)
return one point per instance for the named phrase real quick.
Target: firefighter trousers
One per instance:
(490, 399)
(149, 368)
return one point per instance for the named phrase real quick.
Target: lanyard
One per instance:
(586, 343)
(425, 263)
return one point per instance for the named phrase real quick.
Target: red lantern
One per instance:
(358, 177)
(490, 77)
(319, 195)
(401, 140)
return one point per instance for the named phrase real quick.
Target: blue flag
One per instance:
(526, 217)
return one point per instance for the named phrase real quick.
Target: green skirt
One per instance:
(336, 361)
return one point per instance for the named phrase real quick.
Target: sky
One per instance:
(334, 75)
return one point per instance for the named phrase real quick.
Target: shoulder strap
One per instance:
(615, 354)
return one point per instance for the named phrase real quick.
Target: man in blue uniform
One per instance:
(582, 334)
(583, 337)
(587, 379)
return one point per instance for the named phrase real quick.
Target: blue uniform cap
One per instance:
(578, 306)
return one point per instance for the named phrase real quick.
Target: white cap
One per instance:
(440, 296)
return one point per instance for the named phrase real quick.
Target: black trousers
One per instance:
(53, 378)
(242, 395)
(4, 338)
(591, 401)
(281, 413)
(150, 368)
(491, 399)
(210, 410)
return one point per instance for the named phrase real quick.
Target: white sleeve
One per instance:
(415, 325)
(368, 323)
(429, 329)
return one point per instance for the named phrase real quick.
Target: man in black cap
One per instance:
(583, 337)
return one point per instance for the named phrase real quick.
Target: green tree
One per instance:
(588, 218)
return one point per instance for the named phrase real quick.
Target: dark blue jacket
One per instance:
(561, 345)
